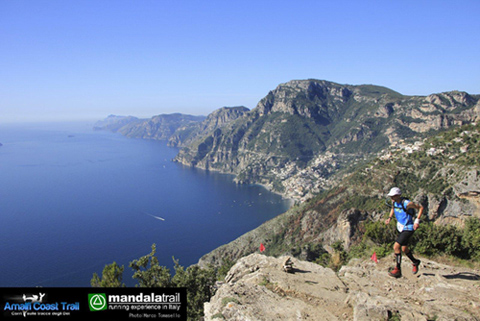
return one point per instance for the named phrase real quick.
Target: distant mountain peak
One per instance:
(295, 124)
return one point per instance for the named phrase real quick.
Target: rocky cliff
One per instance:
(221, 117)
(257, 288)
(304, 131)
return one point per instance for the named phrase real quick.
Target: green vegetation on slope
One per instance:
(149, 273)
(435, 167)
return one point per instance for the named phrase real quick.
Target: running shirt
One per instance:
(404, 221)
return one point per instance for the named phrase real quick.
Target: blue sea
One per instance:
(73, 200)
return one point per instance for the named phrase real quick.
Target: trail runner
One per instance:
(406, 226)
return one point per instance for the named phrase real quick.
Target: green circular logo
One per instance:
(97, 302)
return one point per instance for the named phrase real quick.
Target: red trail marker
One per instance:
(262, 247)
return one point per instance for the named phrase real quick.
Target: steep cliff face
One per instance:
(287, 135)
(257, 288)
(221, 117)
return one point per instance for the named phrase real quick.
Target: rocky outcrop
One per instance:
(469, 189)
(345, 229)
(257, 288)
(469, 185)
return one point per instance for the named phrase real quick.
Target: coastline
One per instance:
(291, 201)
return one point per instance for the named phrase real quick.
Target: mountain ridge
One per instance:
(160, 127)
(294, 126)
(305, 134)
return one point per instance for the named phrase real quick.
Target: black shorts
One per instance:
(404, 237)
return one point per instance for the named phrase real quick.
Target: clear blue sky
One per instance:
(87, 59)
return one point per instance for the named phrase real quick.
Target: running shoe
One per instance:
(395, 272)
(415, 267)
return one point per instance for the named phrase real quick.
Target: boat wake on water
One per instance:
(157, 217)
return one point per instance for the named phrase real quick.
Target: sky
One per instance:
(84, 60)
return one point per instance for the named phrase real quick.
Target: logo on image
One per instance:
(97, 301)
(28, 304)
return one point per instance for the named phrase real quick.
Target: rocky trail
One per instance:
(257, 288)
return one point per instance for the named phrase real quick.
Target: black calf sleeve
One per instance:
(411, 257)
(398, 259)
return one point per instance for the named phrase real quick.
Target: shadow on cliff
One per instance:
(294, 270)
(463, 276)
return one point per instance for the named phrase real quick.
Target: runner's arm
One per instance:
(418, 207)
(390, 216)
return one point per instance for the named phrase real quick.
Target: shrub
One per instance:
(339, 257)
(323, 260)
(471, 238)
(227, 300)
(218, 316)
(224, 268)
(431, 239)
(359, 250)
(200, 287)
(380, 233)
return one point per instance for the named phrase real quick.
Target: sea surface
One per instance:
(73, 200)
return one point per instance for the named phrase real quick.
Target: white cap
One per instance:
(395, 191)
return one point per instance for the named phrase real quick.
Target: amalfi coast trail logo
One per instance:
(97, 301)
(34, 298)
(35, 303)
(27, 305)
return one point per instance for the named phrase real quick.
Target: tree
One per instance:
(199, 282)
(471, 238)
(200, 287)
(112, 276)
(148, 271)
